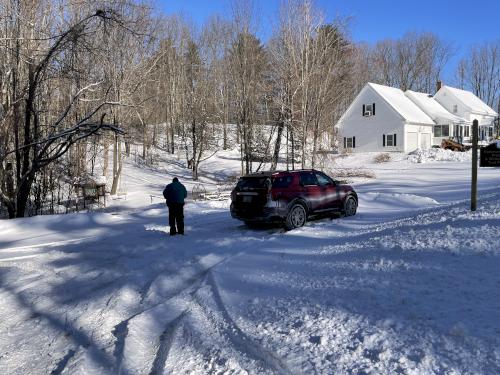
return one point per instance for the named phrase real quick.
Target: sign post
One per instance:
(473, 198)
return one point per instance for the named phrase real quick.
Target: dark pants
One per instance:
(176, 216)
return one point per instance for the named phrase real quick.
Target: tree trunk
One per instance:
(106, 156)
(224, 146)
(144, 142)
(277, 145)
(194, 167)
(9, 189)
(23, 193)
(117, 165)
(315, 143)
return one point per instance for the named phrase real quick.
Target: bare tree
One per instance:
(479, 71)
(310, 70)
(44, 130)
(414, 62)
(248, 62)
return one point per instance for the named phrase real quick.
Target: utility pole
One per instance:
(473, 200)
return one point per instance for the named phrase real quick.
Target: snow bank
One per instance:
(399, 200)
(438, 154)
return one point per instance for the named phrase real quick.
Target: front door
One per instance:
(330, 194)
(310, 190)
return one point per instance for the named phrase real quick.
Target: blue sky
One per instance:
(461, 22)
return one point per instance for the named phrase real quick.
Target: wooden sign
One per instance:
(490, 155)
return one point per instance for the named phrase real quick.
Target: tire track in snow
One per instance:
(240, 341)
(144, 292)
(122, 330)
(166, 341)
(63, 362)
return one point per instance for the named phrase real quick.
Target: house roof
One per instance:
(402, 104)
(468, 99)
(432, 108)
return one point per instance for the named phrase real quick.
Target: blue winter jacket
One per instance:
(175, 193)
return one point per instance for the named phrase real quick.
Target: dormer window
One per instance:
(455, 108)
(368, 110)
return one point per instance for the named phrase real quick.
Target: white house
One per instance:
(468, 106)
(447, 124)
(383, 118)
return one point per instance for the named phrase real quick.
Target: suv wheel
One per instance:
(350, 206)
(296, 217)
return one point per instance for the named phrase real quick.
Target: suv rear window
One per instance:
(253, 183)
(282, 182)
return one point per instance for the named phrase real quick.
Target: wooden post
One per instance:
(473, 200)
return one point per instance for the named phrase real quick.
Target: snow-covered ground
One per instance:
(409, 285)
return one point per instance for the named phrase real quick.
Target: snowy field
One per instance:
(410, 285)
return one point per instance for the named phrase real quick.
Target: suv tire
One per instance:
(350, 206)
(296, 217)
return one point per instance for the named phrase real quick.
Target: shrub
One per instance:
(382, 158)
(340, 173)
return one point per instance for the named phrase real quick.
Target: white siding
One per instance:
(369, 130)
(448, 100)
(425, 141)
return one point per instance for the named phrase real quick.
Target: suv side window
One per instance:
(308, 178)
(282, 182)
(323, 179)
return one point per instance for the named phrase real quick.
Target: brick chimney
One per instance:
(439, 84)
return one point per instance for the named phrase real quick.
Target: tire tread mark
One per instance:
(166, 340)
(241, 341)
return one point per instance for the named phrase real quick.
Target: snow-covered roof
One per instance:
(400, 102)
(468, 99)
(432, 108)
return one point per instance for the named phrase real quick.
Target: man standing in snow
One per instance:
(175, 193)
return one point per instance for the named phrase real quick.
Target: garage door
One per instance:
(425, 141)
(411, 141)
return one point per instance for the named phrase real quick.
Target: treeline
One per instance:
(82, 80)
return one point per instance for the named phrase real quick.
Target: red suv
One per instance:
(290, 197)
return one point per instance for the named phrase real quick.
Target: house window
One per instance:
(349, 142)
(466, 131)
(368, 110)
(441, 130)
(490, 132)
(455, 108)
(388, 140)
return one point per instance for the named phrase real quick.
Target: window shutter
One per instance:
(345, 142)
(353, 142)
(383, 140)
(394, 139)
(363, 110)
(373, 109)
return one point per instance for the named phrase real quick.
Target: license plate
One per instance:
(247, 198)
